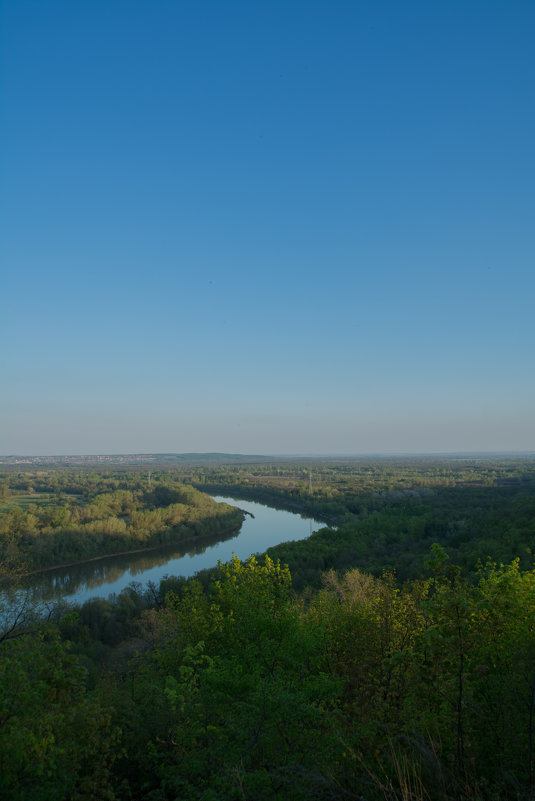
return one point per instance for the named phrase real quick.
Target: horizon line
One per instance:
(291, 455)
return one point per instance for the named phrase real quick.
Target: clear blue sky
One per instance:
(267, 227)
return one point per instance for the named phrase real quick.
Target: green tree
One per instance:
(241, 695)
(55, 741)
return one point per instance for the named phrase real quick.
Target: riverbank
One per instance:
(262, 528)
(162, 546)
(269, 498)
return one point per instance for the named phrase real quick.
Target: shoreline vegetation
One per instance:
(86, 517)
(191, 540)
(377, 513)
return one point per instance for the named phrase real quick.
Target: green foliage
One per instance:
(55, 740)
(240, 690)
(369, 684)
(101, 518)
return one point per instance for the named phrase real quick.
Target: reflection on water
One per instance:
(66, 581)
(112, 574)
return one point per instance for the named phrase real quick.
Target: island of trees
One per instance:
(389, 656)
(59, 517)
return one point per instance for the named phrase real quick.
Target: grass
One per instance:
(24, 500)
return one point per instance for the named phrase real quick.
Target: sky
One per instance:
(284, 227)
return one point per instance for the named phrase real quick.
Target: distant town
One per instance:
(133, 458)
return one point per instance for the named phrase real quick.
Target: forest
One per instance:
(57, 517)
(389, 656)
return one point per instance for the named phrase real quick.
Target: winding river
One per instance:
(268, 527)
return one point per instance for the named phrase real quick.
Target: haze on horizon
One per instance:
(267, 228)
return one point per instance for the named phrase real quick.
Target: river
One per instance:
(112, 574)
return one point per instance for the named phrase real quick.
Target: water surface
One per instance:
(112, 574)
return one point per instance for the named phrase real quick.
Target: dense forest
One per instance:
(58, 517)
(389, 656)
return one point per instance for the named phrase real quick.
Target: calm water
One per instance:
(112, 574)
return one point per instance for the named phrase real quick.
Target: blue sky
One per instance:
(267, 227)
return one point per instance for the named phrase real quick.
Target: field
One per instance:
(25, 500)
